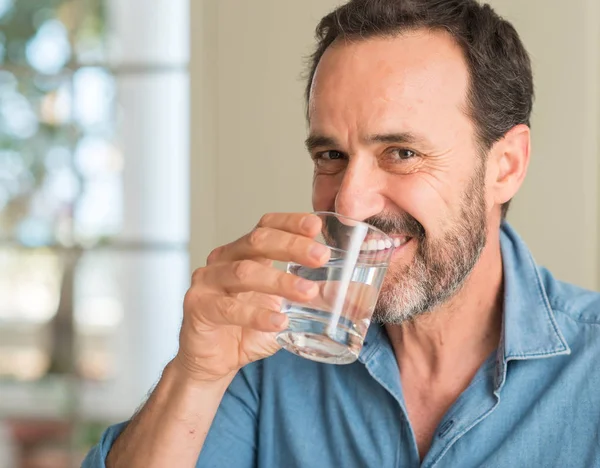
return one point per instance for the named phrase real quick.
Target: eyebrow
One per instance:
(320, 141)
(403, 137)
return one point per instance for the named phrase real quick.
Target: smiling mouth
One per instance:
(380, 244)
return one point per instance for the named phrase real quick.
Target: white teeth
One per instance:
(380, 244)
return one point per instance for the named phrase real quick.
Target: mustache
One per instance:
(403, 224)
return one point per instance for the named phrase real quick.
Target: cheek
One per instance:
(325, 189)
(426, 198)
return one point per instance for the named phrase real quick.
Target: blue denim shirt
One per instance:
(534, 403)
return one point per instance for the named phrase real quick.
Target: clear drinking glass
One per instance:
(331, 328)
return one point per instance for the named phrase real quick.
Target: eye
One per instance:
(402, 153)
(330, 155)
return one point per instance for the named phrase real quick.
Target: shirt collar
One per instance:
(373, 341)
(529, 330)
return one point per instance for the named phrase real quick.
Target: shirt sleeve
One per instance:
(232, 438)
(97, 456)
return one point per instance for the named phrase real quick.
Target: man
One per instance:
(418, 115)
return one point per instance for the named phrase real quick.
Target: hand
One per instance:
(232, 310)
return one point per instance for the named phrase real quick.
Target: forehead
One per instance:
(415, 77)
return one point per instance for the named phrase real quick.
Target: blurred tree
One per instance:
(56, 159)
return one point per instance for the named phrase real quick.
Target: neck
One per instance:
(452, 341)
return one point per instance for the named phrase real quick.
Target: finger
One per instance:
(302, 224)
(278, 245)
(305, 224)
(229, 252)
(219, 310)
(268, 301)
(248, 275)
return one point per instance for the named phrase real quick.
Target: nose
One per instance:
(359, 196)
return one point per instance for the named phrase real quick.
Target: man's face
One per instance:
(393, 145)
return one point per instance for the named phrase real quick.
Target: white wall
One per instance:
(558, 210)
(248, 125)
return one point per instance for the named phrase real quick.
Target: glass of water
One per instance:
(331, 328)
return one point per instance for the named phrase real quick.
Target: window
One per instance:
(93, 202)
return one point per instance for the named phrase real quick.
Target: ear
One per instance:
(511, 160)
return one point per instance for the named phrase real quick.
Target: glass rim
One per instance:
(369, 226)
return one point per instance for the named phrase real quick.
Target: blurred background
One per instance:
(94, 215)
(137, 135)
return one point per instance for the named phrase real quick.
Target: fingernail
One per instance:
(309, 223)
(317, 251)
(304, 285)
(278, 319)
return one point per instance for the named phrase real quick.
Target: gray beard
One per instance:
(441, 266)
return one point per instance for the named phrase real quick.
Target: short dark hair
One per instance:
(501, 89)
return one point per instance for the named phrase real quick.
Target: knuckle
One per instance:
(197, 309)
(284, 281)
(191, 300)
(266, 219)
(188, 300)
(198, 275)
(214, 255)
(255, 320)
(242, 270)
(294, 243)
(258, 237)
